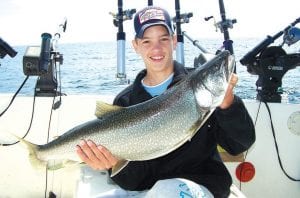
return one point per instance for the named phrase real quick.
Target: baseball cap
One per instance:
(150, 16)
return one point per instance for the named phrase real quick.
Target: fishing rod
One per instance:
(224, 25)
(180, 40)
(121, 37)
(61, 29)
(58, 57)
(194, 42)
(202, 57)
(5, 49)
(118, 20)
(251, 57)
(178, 20)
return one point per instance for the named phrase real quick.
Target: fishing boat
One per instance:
(270, 168)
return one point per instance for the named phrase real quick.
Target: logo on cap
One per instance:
(151, 14)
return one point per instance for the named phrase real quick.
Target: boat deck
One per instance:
(20, 179)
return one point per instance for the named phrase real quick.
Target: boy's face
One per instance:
(156, 48)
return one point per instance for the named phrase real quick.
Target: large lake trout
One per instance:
(147, 130)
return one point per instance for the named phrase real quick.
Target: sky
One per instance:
(23, 21)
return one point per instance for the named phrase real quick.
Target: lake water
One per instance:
(90, 68)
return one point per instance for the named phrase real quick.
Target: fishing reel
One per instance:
(228, 23)
(183, 18)
(271, 63)
(222, 25)
(125, 15)
(291, 36)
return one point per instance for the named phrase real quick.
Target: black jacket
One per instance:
(197, 160)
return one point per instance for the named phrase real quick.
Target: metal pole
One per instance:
(195, 42)
(180, 40)
(121, 37)
(224, 25)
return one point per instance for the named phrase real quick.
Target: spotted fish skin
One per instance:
(150, 129)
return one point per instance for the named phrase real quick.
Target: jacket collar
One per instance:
(139, 94)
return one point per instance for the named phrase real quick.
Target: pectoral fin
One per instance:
(118, 167)
(55, 164)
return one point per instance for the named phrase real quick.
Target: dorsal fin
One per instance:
(103, 108)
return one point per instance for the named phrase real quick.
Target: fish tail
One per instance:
(32, 151)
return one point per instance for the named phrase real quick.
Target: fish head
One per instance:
(210, 81)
